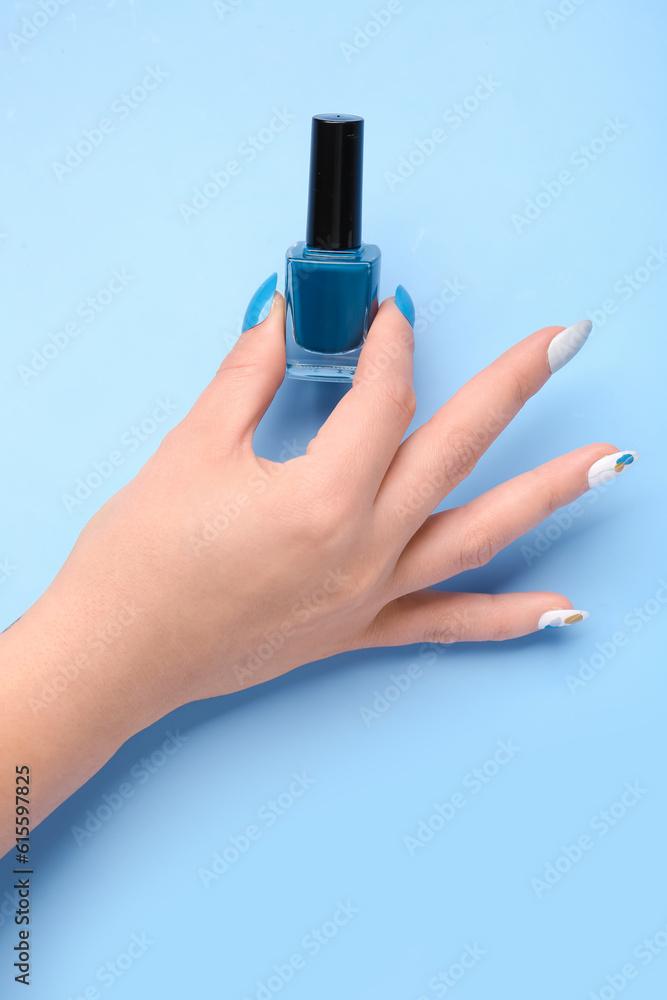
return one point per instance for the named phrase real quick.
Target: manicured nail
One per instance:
(567, 343)
(259, 302)
(609, 467)
(405, 304)
(556, 619)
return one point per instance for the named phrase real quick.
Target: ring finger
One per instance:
(467, 537)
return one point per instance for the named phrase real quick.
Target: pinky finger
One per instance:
(438, 616)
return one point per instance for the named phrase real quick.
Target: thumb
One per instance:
(241, 391)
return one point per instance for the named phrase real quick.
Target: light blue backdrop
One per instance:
(489, 267)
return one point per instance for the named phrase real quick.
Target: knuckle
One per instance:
(522, 390)
(170, 442)
(174, 451)
(553, 500)
(460, 459)
(449, 627)
(504, 630)
(319, 518)
(240, 370)
(399, 394)
(245, 360)
(478, 547)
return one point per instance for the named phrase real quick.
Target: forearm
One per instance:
(73, 686)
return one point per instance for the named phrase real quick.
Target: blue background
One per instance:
(163, 335)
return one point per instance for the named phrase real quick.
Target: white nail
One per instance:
(567, 343)
(609, 467)
(556, 619)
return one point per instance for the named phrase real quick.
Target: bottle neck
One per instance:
(311, 251)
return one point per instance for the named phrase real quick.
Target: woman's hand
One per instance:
(241, 568)
(214, 569)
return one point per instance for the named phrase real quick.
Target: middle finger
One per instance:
(443, 451)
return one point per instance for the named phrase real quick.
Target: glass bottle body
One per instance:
(331, 297)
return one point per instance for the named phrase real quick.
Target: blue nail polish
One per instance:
(259, 302)
(332, 279)
(405, 304)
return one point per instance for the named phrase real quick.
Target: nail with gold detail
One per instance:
(556, 619)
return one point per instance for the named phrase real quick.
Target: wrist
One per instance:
(72, 672)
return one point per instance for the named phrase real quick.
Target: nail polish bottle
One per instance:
(332, 279)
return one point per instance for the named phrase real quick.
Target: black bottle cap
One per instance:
(336, 179)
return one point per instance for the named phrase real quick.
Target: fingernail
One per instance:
(609, 467)
(556, 619)
(405, 304)
(259, 302)
(567, 343)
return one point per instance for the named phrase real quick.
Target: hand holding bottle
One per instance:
(333, 550)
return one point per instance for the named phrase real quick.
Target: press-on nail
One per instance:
(405, 304)
(556, 619)
(567, 343)
(609, 467)
(259, 302)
